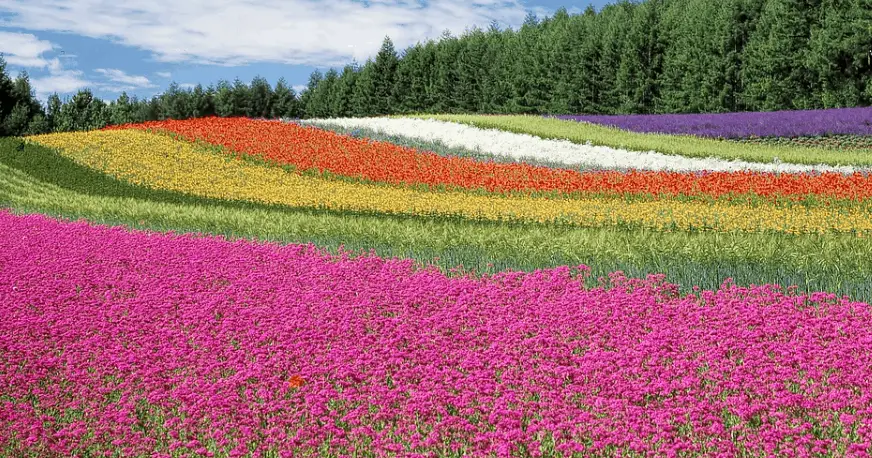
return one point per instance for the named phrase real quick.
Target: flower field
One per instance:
(786, 124)
(440, 286)
(681, 145)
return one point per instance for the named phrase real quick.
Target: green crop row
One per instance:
(836, 142)
(684, 145)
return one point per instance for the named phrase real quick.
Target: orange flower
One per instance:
(308, 148)
(296, 381)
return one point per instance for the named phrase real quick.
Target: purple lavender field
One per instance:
(805, 123)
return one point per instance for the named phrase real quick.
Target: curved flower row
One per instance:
(307, 148)
(712, 152)
(129, 343)
(159, 161)
(787, 123)
(500, 142)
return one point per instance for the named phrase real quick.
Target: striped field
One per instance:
(561, 289)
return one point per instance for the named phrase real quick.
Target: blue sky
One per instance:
(140, 46)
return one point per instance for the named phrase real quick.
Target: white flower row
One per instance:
(524, 146)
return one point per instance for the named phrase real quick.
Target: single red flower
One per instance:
(296, 381)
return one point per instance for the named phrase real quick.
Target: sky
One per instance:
(141, 46)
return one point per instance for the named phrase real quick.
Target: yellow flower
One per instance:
(159, 161)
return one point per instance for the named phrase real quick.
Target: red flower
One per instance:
(296, 381)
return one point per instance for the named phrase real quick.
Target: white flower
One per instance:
(524, 146)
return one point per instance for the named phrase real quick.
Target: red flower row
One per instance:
(309, 148)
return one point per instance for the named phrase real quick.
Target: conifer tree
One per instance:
(224, 99)
(260, 98)
(323, 99)
(774, 73)
(240, 98)
(363, 95)
(306, 96)
(202, 102)
(445, 78)
(383, 77)
(343, 88)
(121, 112)
(840, 54)
(285, 103)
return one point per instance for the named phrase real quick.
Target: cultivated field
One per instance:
(439, 285)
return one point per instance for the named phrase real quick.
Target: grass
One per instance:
(684, 145)
(38, 180)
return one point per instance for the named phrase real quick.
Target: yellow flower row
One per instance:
(161, 162)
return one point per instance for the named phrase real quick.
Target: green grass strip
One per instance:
(836, 263)
(683, 145)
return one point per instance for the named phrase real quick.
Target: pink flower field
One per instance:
(120, 343)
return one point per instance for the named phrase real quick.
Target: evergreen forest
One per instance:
(652, 56)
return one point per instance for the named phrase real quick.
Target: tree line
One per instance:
(22, 114)
(653, 56)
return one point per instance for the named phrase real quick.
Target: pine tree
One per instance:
(38, 125)
(529, 90)
(175, 103)
(641, 60)
(558, 46)
(773, 73)
(702, 60)
(224, 99)
(403, 100)
(285, 103)
(342, 92)
(473, 62)
(383, 77)
(73, 114)
(241, 98)
(323, 96)
(25, 107)
(338, 94)
(614, 21)
(423, 77)
(586, 82)
(202, 103)
(363, 95)
(840, 51)
(121, 110)
(306, 96)
(53, 111)
(445, 79)
(261, 98)
(7, 97)
(495, 83)
(16, 123)
(97, 114)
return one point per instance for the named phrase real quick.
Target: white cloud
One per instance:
(24, 49)
(116, 89)
(118, 76)
(313, 32)
(64, 82)
(299, 87)
(187, 86)
(164, 74)
(28, 51)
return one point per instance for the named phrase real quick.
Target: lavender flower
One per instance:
(801, 123)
